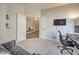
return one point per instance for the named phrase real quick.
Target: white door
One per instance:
(21, 28)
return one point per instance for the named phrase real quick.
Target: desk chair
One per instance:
(65, 44)
(77, 46)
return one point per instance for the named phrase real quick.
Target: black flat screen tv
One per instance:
(59, 21)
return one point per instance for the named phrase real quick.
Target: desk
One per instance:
(74, 37)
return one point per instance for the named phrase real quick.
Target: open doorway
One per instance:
(32, 27)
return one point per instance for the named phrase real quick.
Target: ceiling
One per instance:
(41, 6)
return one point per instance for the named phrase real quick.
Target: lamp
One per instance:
(7, 17)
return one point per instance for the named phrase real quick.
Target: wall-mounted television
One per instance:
(59, 21)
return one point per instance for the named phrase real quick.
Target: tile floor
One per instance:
(42, 46)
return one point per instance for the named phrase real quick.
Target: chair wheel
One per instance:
(70, 49)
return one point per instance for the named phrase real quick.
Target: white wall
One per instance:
(48, 30)
(13, 10)
(2, 23)
(31, 11)
(76, 21)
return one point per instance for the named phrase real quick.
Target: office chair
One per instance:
(65, 44)
(77, 46)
